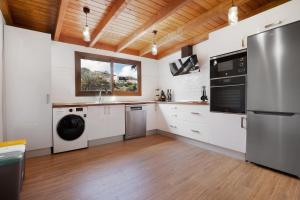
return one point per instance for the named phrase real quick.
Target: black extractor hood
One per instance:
(187, 64)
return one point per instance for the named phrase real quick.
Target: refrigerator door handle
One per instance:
(287, 114)
(242, 122)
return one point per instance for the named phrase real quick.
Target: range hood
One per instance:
(185, 65)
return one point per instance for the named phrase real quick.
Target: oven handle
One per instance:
(221, 86)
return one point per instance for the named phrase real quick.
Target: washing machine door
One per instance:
(70, 127)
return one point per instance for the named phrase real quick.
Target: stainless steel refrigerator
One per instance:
(273, 99)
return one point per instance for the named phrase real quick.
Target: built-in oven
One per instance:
(228, 82)
(231, 64)
(228, 95)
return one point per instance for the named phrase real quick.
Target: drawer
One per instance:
(174, 127)
(196, 114)
(192, 113)
(196, 131)
(169, 108)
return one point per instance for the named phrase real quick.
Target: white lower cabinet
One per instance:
(191, 121)
(105, 121)
(227, 131)
(198, 123)
(151, 116)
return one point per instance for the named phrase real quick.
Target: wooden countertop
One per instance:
(185, 102)
(82, 104)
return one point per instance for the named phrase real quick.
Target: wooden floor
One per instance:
(156, 168)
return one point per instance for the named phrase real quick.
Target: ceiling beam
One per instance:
(167, 11)
(201, 38)
(193, 24)
(60, 18)
(114, 10)
(6, 12)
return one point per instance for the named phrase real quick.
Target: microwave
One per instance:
(230, 64)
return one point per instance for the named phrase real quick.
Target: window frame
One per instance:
(111, 60)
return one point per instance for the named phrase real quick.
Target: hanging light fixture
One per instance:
(86, 30)
(154, 45)
(233, 14)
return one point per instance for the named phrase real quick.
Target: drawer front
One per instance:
(197, 114)
(173, 126)
(196, 131)
(169, 108)
(189, 113)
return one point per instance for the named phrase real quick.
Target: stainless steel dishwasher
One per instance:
(136, 117)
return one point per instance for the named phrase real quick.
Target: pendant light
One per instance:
(154, 45)
(86, 30)
(233, 14)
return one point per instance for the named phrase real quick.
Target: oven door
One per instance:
(228, 98)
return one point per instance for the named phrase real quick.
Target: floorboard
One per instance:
(152, 168)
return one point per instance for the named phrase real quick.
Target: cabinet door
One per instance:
(27, 86)
(116, 120)
(97, 123)
(105, 121)
(227, 131)
(151, 116)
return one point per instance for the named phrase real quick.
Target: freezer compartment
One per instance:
(273, 140)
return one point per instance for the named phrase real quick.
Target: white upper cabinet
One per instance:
(233, 38)
(105, 121)
(27, 87)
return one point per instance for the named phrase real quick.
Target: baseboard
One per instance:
(102, 141)
(38, 152)
(152, 132)
(203, 145)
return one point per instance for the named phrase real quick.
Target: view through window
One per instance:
(111, 76)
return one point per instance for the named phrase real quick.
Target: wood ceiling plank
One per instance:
(178, 46)
(114, 10)
(60, 18)
(200, 20)
(166, 12)
(6, 12)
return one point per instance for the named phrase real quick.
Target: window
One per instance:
(112, 76)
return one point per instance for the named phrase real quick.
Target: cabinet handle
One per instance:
(242, 122)
(173, 126)
(195, 131)
(195, 113)
(47, 98)
(243, 42)
(174, 108)
(174, 115)
(273, 24)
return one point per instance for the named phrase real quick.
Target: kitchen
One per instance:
(183, 147)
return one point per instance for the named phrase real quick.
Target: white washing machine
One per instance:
(69, 129)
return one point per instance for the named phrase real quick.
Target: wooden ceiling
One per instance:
(126, 25)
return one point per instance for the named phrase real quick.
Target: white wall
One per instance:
(1, 75)
(227, 39)
(63, 74)
(186, 87)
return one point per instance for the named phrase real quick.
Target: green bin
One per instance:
(11, 175)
